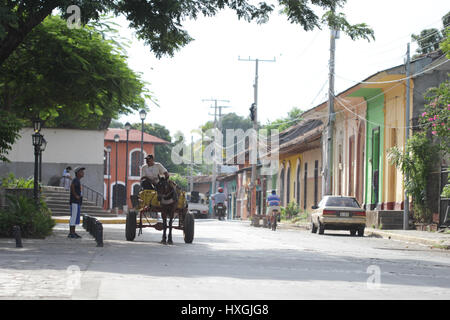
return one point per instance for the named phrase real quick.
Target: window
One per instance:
(105, 163)
(288, 185)
(342, 202)
(282, 186)
(135, 163)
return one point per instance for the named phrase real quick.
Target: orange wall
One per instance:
(121, 167)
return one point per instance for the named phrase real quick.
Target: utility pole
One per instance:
(254, 110)
(214, 168)
(331, 116)
(406, 202)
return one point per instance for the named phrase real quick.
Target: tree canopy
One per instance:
(160, 23)
(68, 78)
(428, 40)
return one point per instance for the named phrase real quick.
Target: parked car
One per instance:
(198, 204)
(338, 213)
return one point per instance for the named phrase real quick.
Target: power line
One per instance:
(398, 80)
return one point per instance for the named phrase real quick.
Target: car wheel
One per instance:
(321, 228)
(353, 232)
(313, 227)
(361, 232)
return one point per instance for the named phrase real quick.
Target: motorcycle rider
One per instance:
(219, 198)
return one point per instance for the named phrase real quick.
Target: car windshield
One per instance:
(342, 202)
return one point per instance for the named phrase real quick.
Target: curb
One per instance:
(441, 244)
(394, 236)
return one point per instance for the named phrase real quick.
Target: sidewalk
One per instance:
(436, 239)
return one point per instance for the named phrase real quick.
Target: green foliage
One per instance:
(180, 181)
(445, 45)
(436, 117)
(72, 78)
(12, 182)
(446, 191)
(34, 221)
(416, 165)
(9, 132)
(281, 124)
(428, 40)
(292, 209)
(338, 21)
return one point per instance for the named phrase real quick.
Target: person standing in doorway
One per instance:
(76, 200)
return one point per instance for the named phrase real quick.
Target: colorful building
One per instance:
(122, 168)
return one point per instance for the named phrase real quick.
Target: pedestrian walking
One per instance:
(76, 200)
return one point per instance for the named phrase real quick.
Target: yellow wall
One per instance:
(394, 135)
(291, 162)
(309, 157)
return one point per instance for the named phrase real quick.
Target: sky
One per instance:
(209, 67)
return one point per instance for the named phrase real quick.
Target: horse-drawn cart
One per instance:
(145, 215)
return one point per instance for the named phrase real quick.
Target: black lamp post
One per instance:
(142, 114)
(127, 127)
(37, 143)
(108, 150)
(41, 149)
(116, 139)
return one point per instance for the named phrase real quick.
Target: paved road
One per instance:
(228, 260)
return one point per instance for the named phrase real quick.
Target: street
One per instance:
(227, 260)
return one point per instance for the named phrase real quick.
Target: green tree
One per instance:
(429, 39)
(69, 78)
(436, 117)
(416, 164)
(294, 116)
(158, 23)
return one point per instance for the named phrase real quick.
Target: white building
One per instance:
(65, 147)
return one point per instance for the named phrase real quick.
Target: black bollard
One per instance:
(99, 234)
(18, 236)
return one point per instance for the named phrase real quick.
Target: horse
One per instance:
(168, 198)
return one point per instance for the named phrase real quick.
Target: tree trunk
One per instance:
(15, 37)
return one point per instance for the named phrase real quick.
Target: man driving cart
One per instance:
(150, 173)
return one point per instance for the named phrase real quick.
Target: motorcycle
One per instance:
(221, 211)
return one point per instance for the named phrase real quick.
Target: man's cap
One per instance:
(78, 169)
(150, 156)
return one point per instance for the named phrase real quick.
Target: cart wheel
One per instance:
(130, 227)
(188, 229)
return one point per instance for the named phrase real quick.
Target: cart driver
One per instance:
(150, 173)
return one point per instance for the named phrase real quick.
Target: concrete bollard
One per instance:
(99, 233)
(17, 236)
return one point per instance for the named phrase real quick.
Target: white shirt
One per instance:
(153, 172)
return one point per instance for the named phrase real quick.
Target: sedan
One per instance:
(338, 213)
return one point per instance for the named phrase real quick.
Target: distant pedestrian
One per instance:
(66, 179)
(76, 200)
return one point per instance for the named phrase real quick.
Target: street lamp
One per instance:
(142, 114)
(108, 150)
(116, 140)
(37, 142)
(41, 149)
(37, 125)
(127, 127)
